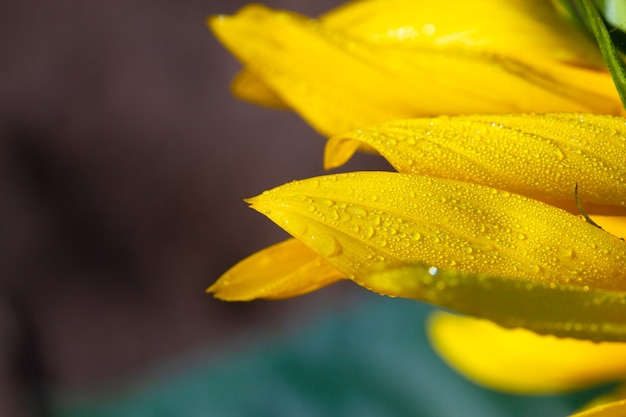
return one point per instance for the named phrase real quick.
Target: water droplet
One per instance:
(368, 232)
(433, 271)
(415, 235)
(567, 253)
(558, 154)
(428, 29)
(358, 211)
(326, 245)
(521, 236)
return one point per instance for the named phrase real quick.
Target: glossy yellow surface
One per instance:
(356, 220)
(541, 156)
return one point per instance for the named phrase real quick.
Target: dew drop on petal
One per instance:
(327, 245)
(368, 232)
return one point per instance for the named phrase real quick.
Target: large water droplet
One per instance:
(566, 253)
(326, 245)
(368, 232)
(358, 211)
(558, 154)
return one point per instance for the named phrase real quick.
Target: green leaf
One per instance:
(610, 53)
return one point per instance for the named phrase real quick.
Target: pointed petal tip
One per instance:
(214, 22)
(252, 201)
(339, 149)
(216, 287)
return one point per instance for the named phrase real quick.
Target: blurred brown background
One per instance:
(124, 163)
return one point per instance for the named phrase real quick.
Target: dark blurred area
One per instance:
(124, 163)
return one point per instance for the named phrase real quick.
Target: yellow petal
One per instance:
(248, 87)
(531, 26)
(358, 219)
(502, 256)
(521, 361)
(614, 409)
(543, 156)
(615, 225)
(286, 269)
(497, 27)
(338, 82)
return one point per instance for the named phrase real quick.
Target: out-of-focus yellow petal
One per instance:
(614, 409)
(338, 82)
(494, 26)
(521, 361)
(467, 247)
(543, 156)
(248, 87)
(532, 26)
(284, 270)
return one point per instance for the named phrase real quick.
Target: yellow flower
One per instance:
(468, 240)
(472, 236)
(484, 214)
(376, 60)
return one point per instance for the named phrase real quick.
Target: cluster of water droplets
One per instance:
(541, 156)
(410, 219)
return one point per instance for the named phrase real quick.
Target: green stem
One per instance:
(611, 56)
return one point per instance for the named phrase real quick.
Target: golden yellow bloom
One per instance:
(479, 250)
(484, 214)
(376, 60)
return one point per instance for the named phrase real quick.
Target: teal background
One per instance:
(370, 360)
